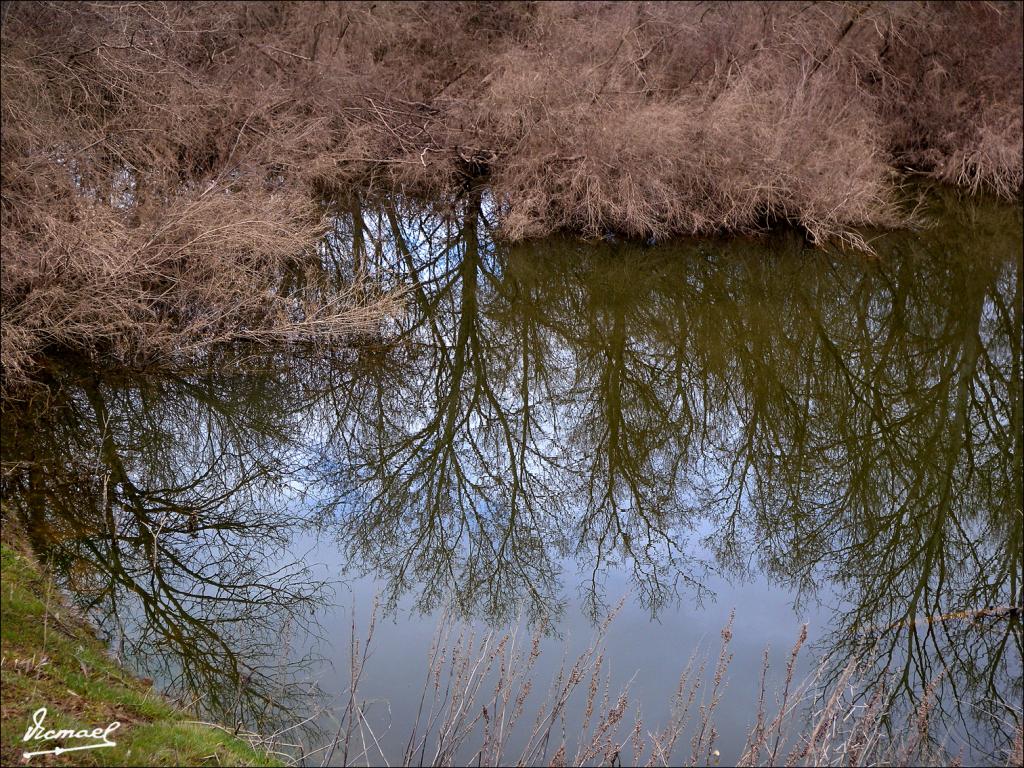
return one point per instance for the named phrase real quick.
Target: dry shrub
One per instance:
(754, 154)
(951, 95)
(201, 270)
(148, 212)
(682, 119)
(671, 118)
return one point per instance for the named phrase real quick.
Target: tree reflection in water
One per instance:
(158, 504)
(815, 418)
(553, 412)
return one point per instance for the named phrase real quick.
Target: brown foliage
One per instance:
(159, 158)
(137, 223)
(951, 101)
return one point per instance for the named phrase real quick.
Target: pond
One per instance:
(551, 432)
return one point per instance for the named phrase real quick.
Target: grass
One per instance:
(52, 658)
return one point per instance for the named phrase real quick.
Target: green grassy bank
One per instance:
(51, 658)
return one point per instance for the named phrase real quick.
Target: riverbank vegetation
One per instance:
(52, 659)
(163, 163)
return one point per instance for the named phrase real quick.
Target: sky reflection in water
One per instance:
(699, 426)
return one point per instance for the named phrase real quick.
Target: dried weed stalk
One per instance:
(480, 686)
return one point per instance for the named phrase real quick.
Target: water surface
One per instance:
(750, 424)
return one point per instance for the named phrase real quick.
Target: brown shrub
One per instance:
(951, 96)
(141, 219)
(195, 120)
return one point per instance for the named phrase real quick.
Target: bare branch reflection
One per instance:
(550, 415)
